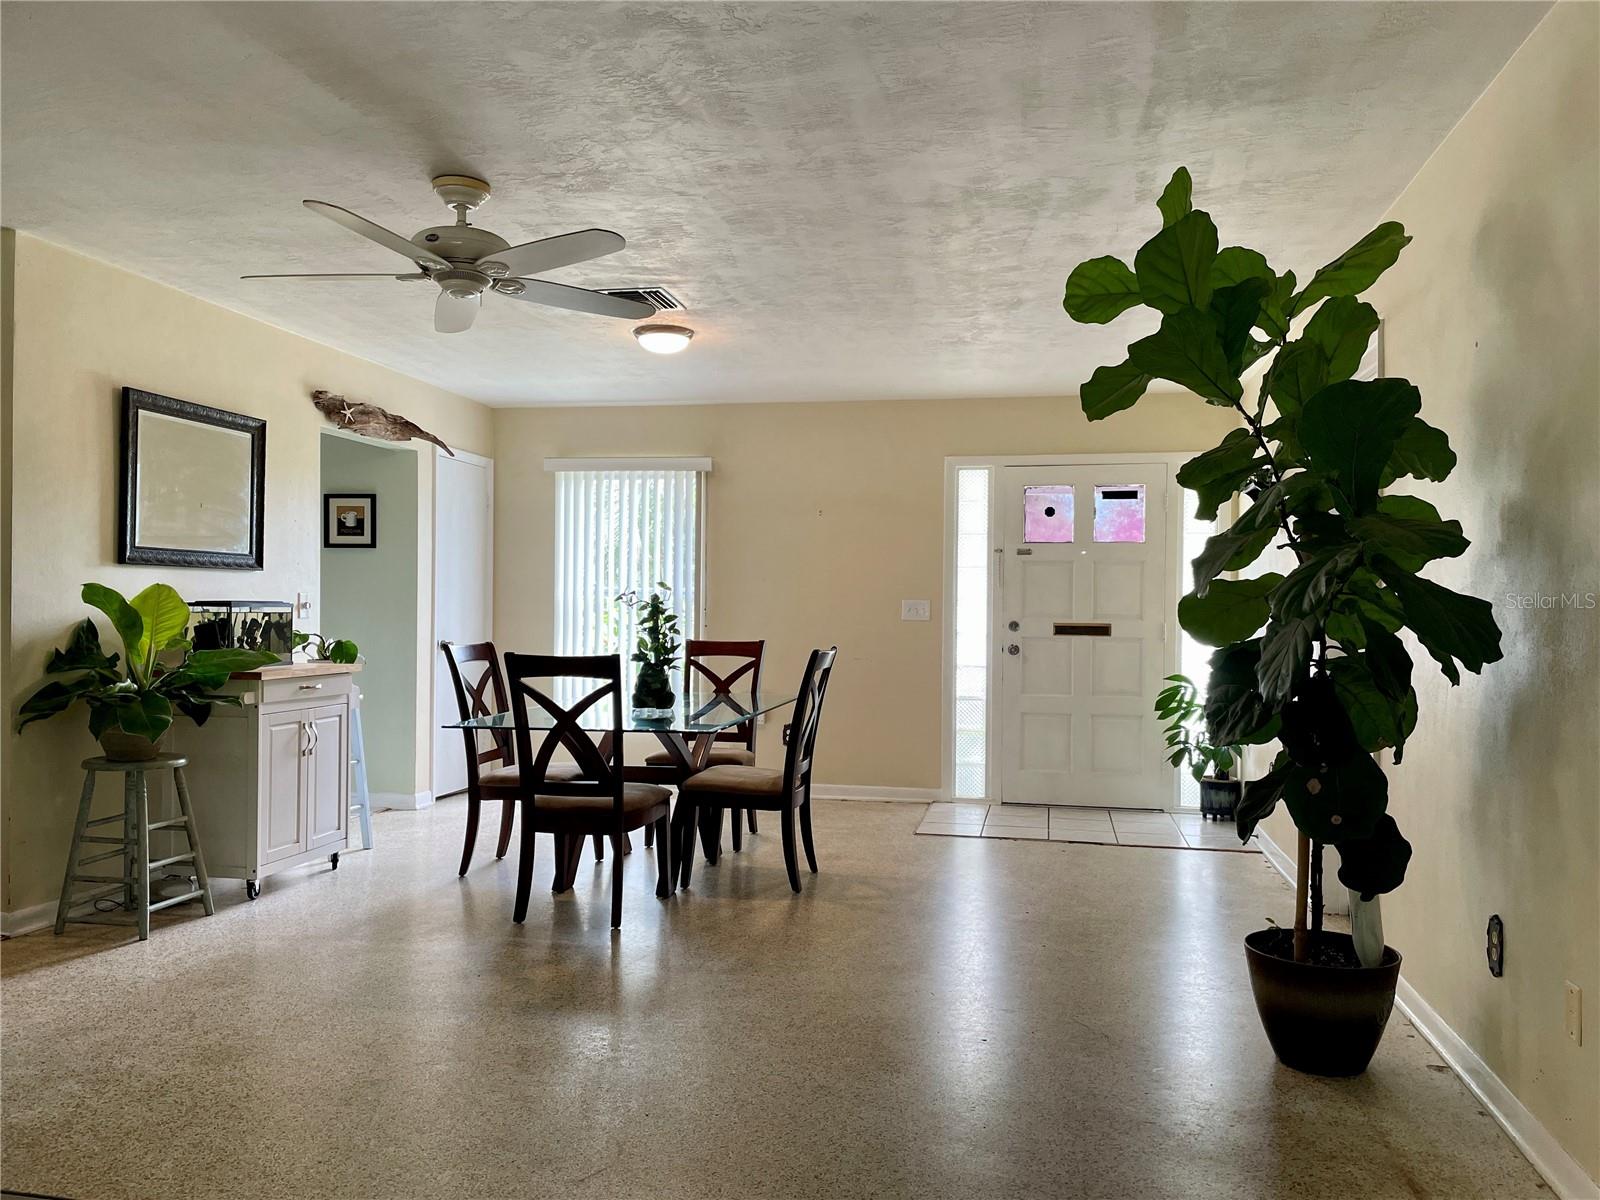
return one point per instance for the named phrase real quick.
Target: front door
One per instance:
(1084, 606)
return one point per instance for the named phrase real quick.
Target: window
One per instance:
(623, 527)
(1047, 513)
(1119, 512)
(1194, 659)
(970, 719)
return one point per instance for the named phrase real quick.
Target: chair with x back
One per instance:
(734, 747)
(492, 772)
(787, 792)
(596, 802)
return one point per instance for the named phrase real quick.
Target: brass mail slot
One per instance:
(1083, 629)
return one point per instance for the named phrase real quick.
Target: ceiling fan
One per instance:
(465, 261)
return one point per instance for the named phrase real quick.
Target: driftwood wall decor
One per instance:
(369, 420)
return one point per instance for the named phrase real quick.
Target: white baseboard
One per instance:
(402, 800)
(28, 920)
(845, 791)
(1561, 1171)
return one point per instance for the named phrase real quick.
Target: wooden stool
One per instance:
(134, 882)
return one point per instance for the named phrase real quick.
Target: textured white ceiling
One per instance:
(853, 200)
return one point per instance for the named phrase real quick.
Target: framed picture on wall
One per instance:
(349, 520)
(193, 484)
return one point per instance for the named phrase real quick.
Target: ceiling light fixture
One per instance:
(663, 339)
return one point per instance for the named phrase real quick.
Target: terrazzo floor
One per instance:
(933, 1017)
(1103, 826)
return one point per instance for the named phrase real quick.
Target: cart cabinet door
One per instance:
(284, 739)
(328, 775)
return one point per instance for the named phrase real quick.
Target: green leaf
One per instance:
(1285, 656)
(1452, 627)
(1337, 802)
(1235, 712)
(125, 619)
(1310, 587)
(165, 617)
(1387, 660)
(1243, 541)
(1299, 609)
(1298, 373)
(1342, 328)
(1235, 264)
(83, 652)
(1112, 389)
(1409, 532)
(211, 668)
(1422, 452)
(1275, 316)
(1357, 268)
(55, 697)
(1235, 308)
(1100, 290)
(1378, 721)
(1349, 430)
(1376, 863)
(1187, 350)
(1218, 474)
(343, 650)
(1260, 797)
(148, 716)
(1174, 267)
(1176, 202)
(1230, 611)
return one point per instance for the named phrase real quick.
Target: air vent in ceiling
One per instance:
(664, 300)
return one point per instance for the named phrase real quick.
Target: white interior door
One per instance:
(1082, 634)
(463, 592)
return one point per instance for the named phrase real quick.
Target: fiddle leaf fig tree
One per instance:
(1309, 658)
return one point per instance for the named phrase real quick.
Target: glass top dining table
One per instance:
(699, 709)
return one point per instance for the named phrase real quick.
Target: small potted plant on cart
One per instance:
(1181, 707)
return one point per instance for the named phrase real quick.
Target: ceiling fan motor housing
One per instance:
(462, 282)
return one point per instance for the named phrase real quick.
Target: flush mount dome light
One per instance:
(663, 339)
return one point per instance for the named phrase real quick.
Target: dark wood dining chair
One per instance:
(734, 747)
(491, 773)
(597, 802)
(786, 792)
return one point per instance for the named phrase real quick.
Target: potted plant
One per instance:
(656, 651)
(1311, 659)
(1179, 705)
(132, 698)
(320, 649)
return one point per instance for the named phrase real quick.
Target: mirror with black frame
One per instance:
(193, 484)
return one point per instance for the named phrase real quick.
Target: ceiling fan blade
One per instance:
(559, 295)
(533, 258)
(455, 314)
(375, 233)
(364, 275)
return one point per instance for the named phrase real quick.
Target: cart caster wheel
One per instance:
(333, 860)
(252, 889)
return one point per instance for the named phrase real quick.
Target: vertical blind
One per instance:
(623, 531)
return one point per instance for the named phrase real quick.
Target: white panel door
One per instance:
(1082, 632)
(463, 595)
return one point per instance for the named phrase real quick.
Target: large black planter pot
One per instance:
(1322, 1020)
(1219, 797)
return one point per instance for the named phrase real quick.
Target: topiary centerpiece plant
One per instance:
(1310, 659)
(656, 651)
(133, 698)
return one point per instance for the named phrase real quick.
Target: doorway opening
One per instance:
(1062, 580)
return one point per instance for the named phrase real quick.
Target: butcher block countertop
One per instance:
(299, 670)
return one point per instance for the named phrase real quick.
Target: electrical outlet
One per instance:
(1574, 1013)
(786, 728)
(915, 610)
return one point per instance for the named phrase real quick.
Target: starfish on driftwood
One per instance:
(369, 420)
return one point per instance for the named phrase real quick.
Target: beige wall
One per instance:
(1491, 311)
(820, 519)
(83, 330)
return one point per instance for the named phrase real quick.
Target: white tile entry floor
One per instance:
(1110, 826)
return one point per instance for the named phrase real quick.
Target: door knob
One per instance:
(1013, 625)
(1013, 648)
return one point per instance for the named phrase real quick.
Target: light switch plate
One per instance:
(1574, 1013)
(915, 610)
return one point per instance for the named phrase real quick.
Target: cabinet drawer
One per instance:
(308, 689)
